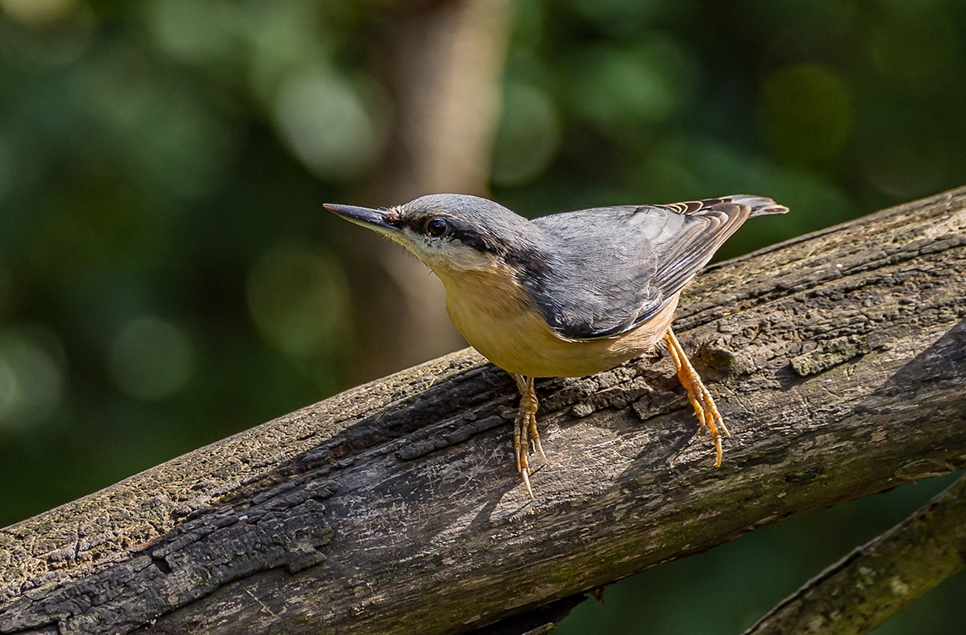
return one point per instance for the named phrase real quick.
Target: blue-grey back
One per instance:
(613, 268)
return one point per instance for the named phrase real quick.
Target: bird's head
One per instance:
(449, 232)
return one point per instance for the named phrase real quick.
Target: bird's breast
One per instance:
(496, 316)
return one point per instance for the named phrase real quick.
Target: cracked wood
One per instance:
(838, 361)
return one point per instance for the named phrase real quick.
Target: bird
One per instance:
(567, 294)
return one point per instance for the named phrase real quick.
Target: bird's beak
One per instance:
(365, 216)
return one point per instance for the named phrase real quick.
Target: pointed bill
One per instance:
(365, 216)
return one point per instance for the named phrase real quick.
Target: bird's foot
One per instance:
(698, 395)
(525, 429)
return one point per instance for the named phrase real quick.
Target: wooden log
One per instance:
(838, 361)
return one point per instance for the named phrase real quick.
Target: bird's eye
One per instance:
(436, 227)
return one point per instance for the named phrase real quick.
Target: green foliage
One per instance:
(167, 275)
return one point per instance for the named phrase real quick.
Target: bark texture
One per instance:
(838, 361)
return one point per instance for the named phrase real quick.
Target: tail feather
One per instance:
(760, 205)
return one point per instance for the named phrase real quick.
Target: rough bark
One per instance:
(871, 584)
(838, 361)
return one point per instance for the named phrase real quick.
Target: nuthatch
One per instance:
(570, 294)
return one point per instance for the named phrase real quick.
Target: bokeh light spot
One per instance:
(8, 390)
(150, 359)
(618, 86)
(528, 137)
(902, 170)
(31, 380)
(326, 123)
(37, 13)
(806, 113)
(194, 29)
(298, 299)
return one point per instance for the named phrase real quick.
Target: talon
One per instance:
(526, 483)
(525, 430)
(701, 400)
(536, 443)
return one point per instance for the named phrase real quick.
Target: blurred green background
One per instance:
(168, 277)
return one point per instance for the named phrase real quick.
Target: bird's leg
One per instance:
(698, 395)
(525, 428)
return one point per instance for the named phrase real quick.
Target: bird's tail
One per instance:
(760, 205)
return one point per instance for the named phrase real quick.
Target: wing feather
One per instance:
(614, 268)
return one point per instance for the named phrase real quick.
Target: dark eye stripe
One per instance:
(526, 259)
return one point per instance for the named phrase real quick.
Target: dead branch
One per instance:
(871, 584)
(837, 359)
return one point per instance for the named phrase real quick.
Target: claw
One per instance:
(525, 429)
(536, 440)
(701, 400)
(526, 482)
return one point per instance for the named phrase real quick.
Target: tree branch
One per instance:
(871, 584)
(837, 360)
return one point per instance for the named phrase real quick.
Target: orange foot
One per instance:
(698, 395)
(525, 428)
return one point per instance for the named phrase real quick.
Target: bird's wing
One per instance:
(614, 268)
